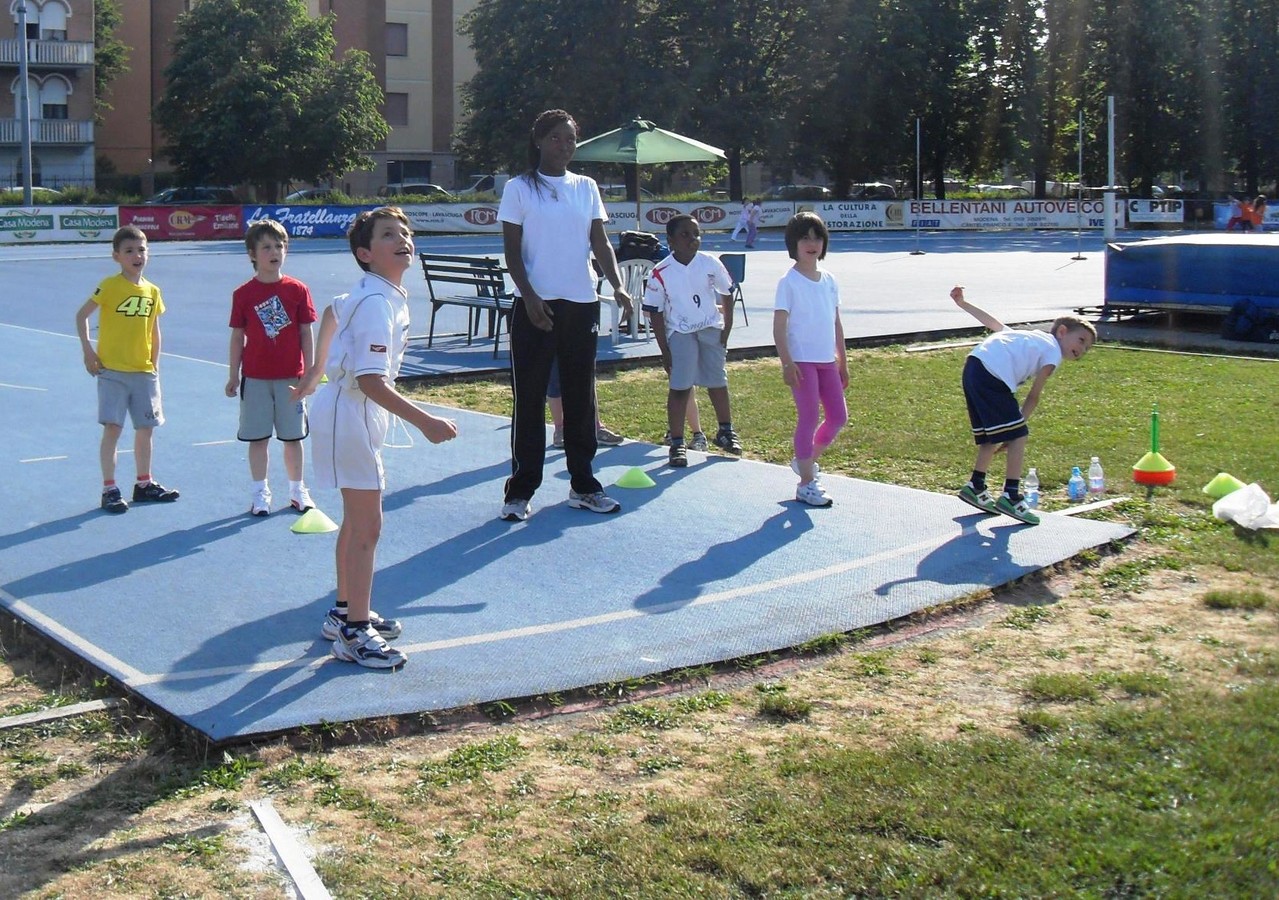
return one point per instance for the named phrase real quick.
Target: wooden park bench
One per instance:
(475, 282)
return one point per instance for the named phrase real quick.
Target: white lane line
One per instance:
(42, 459)
(90, 651)
(571, 624)
(21, 387)
(74, 337)
(212, 443)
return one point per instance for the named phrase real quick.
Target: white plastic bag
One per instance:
(1249, 506)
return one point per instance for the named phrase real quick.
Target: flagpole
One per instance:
(919, 185)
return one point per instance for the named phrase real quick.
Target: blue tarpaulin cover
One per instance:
(1207, 270)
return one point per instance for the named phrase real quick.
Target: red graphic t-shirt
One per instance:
(271, 314)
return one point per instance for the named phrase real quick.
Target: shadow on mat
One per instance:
(118, 563)
(685, 583)
(969, 557)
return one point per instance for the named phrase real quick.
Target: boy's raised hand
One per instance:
(957, 294)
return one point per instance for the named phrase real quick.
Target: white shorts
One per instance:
(347, 433)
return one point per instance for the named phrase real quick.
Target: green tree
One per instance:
(735, 72)
(110, 55)
(591, 59)
(255, 95)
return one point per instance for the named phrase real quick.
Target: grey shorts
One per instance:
(697, 358)
(266, 408)
(134, 393)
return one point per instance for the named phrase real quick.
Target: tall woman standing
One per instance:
(552, 220)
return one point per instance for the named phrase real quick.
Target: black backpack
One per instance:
(639, 245)
(1249, 321)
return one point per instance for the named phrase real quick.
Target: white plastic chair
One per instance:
(634, 274)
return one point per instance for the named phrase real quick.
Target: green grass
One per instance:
(1104, 803)
(1097, 406)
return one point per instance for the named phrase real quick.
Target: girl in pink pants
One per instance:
(810, 344)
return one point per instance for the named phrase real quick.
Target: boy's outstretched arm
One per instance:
(957, 294)
(434, 428)
(311, 378)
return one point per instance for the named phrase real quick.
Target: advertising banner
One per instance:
(457, 218)
(963, 214)
(306, 220)
(860, 215)
(1170, 212)
(186, 223)
(22, 225)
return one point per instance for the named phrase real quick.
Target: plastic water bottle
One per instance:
(1076, 488)
(1031, 485)
(1096, 478)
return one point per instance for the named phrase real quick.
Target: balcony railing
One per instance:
(48, 131)
(47, 53)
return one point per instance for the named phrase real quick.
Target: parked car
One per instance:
(617, 192)
(872, 190)
(315, 193)
(799, 192)
(413, 189)
(199, 196)
(484, 184)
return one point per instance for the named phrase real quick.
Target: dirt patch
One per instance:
(111, 804)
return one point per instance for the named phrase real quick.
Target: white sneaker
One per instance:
(515, 511)
(261, 505)
(301, 499)
(597, 501)
(367, 648)
(557, 438)
(811, 492)
(794, 467)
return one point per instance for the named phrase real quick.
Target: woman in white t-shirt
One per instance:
(552, 220)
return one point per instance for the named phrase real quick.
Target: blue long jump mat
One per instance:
(213, 616)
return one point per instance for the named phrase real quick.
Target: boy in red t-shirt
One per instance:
(271, 347)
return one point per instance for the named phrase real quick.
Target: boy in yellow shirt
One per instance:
(126, 366)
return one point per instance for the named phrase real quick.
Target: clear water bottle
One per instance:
(1096, 478)
(1031, 485)
(1076, 488)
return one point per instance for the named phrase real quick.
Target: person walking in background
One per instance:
(1257, 214)
(743, 219)
(126, 364)
(271, 348)
(754, 216)
(809, 337)
(552, 220)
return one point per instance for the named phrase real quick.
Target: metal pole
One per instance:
(1079, 194)
(1110, 174)
(919, 182)
(24, 102)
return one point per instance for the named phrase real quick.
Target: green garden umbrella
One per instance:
(641, 143)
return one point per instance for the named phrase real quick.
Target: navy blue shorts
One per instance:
(992, 408)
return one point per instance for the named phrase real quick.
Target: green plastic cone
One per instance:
(635, 478)
(313, 522)
(1223, 484)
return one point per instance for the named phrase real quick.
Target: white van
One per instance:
(484, 184)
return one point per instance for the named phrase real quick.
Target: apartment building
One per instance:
(417, 57)
(59, 47)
